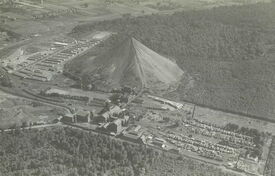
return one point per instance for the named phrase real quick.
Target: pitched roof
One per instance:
(82, 113)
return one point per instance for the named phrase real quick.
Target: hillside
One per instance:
(228, 53)
(129, 64)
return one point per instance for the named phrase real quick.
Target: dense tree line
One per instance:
(71, 152)
(186, 35)
(226, 53)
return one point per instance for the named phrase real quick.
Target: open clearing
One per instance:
(223, 118)
(15, 111)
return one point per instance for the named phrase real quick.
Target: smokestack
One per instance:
(41, 2)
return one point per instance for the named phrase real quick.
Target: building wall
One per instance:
(67, 119)
(115, 127)
(82, 119)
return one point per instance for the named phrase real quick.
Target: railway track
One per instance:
(35, 99)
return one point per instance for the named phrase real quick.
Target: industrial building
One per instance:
(48, 64)
(115, 126)
(133, 133)
(82, 116)
(110, 115)
(159, 142)
(68, 118)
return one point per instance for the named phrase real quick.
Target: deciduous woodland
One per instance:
(227, 53)
(65, 151)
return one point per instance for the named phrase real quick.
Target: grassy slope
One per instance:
(14, 111)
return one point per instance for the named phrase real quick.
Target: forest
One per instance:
(227, 53)
(72, 152)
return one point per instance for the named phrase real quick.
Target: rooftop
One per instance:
(115, 109)
(82, 113)
(69, 115)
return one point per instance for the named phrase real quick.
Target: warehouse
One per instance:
(83, 116)
(68, 118)
(115, 127)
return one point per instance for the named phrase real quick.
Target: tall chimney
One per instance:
(41, 1)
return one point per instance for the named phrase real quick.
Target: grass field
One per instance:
(223, 118)
(15, 111)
